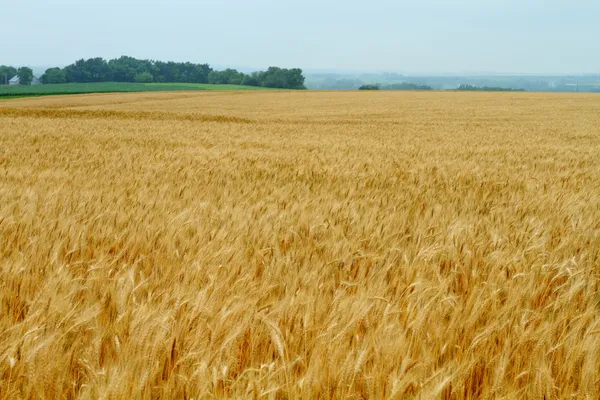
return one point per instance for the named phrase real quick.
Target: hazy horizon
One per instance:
(540, 38)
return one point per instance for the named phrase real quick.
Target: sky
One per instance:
(426, 36)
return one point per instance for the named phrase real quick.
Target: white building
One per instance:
(16, 81)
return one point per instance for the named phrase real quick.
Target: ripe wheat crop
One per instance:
(300, 245)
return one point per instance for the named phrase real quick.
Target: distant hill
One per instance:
(530, 83)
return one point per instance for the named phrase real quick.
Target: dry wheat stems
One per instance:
(300, 245)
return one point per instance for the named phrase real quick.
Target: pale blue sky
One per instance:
(526, 36)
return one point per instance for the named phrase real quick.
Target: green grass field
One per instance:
(108, 87)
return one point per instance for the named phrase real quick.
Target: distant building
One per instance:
(16, 81)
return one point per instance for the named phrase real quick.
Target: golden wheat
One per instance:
(300, 245)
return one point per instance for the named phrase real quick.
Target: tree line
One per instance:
(395, 86)
(130, 69)
(472, 88)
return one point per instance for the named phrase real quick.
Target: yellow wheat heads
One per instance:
(300, 245)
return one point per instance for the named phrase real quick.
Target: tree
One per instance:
(251, 80)
(54, 75)
(144, 77)
(216, 78)
(6, 73)
(369, 87)
(91, 70)
(295, 79)
(126, 69)
(75, 72)
(98, 70)
(201, 72)
(226, 77)
(275, 77)
(25, 75)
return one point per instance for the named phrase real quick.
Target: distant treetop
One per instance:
(369, 87)
(472, 88)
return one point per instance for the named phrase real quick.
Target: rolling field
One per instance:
(7, 92)
(300, 245)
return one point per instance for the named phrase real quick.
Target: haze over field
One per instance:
(430, 36)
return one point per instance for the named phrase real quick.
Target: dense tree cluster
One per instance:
(129, 69)
(6, 73)
(369, 87)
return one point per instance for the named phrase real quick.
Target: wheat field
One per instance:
(300, 245)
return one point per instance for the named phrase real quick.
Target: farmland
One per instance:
(300, 245)
(111, 87)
